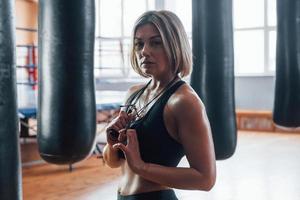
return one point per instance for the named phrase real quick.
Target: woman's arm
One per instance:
(194, 134)
(110, 155)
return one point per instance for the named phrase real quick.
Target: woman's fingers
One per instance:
(131, 136)
(131, 149)
(122, 121)
(122, 136)
(119, 126)
(120, 146)
(127, 137)
(124, 118)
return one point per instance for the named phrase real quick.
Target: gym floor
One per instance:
(265, 166)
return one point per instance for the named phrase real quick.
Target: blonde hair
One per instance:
(174, 38)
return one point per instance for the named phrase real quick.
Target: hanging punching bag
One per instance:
(286, 111)
(213, 72)
(67, 110)
(10, 168)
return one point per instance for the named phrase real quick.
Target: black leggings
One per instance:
(156, 195)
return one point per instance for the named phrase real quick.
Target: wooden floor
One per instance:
(265, 166)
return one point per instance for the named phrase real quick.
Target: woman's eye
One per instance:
(138, 46)
(156, 43)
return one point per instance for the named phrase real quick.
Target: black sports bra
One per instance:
(155, 143)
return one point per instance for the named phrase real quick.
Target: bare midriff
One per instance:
(131, 183)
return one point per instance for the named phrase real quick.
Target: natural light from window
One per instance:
(254, 24)
(254, 36)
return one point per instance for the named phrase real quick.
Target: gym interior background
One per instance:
(266, 162)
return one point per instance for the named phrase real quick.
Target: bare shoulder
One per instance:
(133, 89)
(185, 99)
(189, 114)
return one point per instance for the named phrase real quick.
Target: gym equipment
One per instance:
(286, 111)
(66, 101)
(213, 72)
(29, 66)
(10, 167)
(106, 102)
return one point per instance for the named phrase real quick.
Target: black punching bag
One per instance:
(213, 72)
(67, 109)
(286, 111)
(10, 168)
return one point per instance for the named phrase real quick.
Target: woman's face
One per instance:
(150, 51)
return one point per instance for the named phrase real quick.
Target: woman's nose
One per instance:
(146, 50)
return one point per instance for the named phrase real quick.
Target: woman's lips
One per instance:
(147, 63)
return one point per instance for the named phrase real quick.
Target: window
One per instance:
(183, 10)
(254, 36)
(114, 22)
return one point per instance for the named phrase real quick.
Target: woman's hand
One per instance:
(117, 124)
(131, 150)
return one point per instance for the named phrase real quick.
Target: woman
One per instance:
(163, 120)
